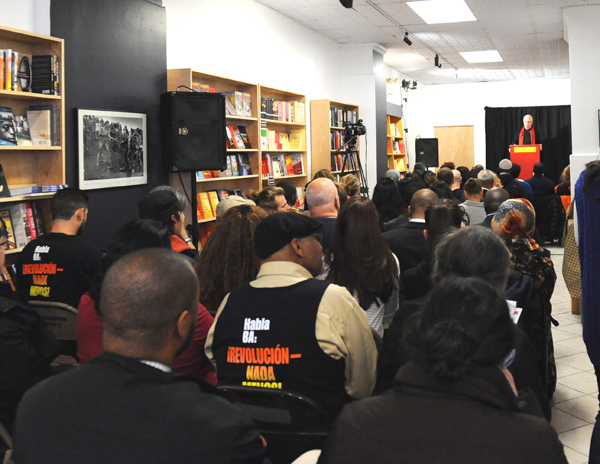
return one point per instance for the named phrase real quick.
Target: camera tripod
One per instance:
(350, 153)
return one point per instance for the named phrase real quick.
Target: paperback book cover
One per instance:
(54, 121)
(237, 138)
(23, 134)
(214, 201)
(244, 164)
(245, 138)
(234, 165)
(296, 140)
(39, 127)
(7, 127)
(5, 215)
(205, 203)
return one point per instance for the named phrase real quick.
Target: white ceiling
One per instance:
(529, 35)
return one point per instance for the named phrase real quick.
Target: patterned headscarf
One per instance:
(514, 218)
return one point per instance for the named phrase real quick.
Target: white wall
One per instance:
(463, 104)
(27, 15)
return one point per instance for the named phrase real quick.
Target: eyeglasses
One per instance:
(508, 360)
(4, 243)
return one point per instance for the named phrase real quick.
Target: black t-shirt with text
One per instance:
(57, 267)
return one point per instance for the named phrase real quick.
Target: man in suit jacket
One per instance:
(126, 406)
(408, 243)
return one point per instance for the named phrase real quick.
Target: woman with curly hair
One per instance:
(360, 260)
(228, 259)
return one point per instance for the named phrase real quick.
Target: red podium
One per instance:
(525, 156)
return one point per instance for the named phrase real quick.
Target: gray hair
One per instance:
(485, 176)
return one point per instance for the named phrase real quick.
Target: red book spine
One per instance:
(31, 221)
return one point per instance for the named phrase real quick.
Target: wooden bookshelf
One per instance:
(326, 118)
(298, 125)
(33, 166)
(396, 149)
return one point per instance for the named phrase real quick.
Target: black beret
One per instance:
(279, 229)
(159, 205)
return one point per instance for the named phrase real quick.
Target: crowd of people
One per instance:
(395, 315)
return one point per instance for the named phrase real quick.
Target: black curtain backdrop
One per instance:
(554, 122)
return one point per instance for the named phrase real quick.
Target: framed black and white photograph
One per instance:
(112, 149)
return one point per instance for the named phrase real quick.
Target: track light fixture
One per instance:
(409, 85)
(407, 40)
(346, 3)
(438, 62)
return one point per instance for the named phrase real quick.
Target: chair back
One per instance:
(279, 412)
(59, 317)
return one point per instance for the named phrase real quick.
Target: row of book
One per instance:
(285, 111)
(39, 127)
(237, 138)
(35, 189)
(238, 164)
(338, 159)
(336, 139)
(238, 104)
(40, 73)
(395, 130)
(339, 116)
(398, 146)
(281, 165)
(275, 140)
(208, 201)
(24, 223)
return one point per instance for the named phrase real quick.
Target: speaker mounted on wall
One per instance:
(427, 151)
(193, 131)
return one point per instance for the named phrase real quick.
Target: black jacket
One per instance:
(119, 410)
(512, 186)
(408, 244)
(421, 420)
(26, 350)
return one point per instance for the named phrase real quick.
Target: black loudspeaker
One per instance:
(427, 152)
(193, 131)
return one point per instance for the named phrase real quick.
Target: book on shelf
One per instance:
(10, 235)
(54, 121)
(235, 171)
(264, 135)
(22, 131)
(237, 138)
(244, 164)
(284, 139)
(203, 88)
(284, 111)
(20, 224)
(214, 201)
(297, 163)
(1, 69)
(289, 165)
(244, 136)
(45, 74)
(402, 147)
(8, 68)
(227, 172)
(39, 127)
(339, 116)
(7, 127)
(297, 139)
(222, 193)
(399, 164)
(4, 190)
(204, 203)
(267, 167)
(236, 108)
(278, 163)
(247, 105)
(230, 141)
(36, 189)
(337, 138)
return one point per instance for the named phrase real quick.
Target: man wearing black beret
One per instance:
(287, 330)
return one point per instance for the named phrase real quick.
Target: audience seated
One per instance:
(27, 347)
(465, 174)
(442, 190)
(514, 222)
(429, 179)
(486, 177)
(494, 198)
(324, 202)
(125, 406)
(230, 202)
(288, 331)
(291, 194)
(134, 236)
(473, 206)
(509, 183)
(438, 222)
(468, 252)
(386, 198)
(540, 184)
(59, 266)
(455, 401)
(361, 261)
(456, 187)
(166, 206)
(408, 243)
(218, 271)
(515, 171)
(446, 175)
(352, 184)
(271, 199)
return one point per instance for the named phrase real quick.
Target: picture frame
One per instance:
(112, 149)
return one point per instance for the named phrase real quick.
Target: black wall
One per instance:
(115, 59)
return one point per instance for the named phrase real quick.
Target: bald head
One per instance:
(421, 200)
(143, 294)
(457, 179)
(322, 198)
(494, 198)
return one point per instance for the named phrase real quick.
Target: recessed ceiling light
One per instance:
(442, 11)
(487, 56)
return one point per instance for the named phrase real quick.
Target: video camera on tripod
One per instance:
(352, 130)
